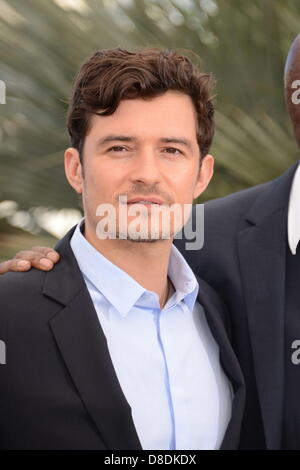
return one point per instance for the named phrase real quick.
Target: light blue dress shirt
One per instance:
(166, 361)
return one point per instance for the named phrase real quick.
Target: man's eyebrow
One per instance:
(128, 138)
(177, 140)
(113, 138)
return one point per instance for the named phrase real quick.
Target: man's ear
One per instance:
(73, 169)
(205, 174)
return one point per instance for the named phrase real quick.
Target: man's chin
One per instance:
(142, 239)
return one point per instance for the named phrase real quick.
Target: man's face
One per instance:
(146, 148)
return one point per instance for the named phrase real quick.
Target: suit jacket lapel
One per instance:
(263, 271)
(262, 249)
(213, 311)
(84, 350)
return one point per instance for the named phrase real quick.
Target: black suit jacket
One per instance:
(58, 388)
(243, 258)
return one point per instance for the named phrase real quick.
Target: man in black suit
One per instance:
(120, 346)
(250, 257)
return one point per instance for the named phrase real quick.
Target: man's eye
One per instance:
(117, 148)
(173, 150)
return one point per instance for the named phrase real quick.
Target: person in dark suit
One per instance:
(121, 346)
(251, 258)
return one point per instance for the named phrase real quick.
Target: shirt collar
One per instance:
(294, 213)
(120, 289)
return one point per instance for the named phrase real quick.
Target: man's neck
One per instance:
(145, 262)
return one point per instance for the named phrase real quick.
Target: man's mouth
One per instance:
(146, 201)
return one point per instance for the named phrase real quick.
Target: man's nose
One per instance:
(146, 168)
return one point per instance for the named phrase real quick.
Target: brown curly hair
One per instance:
(111, 75)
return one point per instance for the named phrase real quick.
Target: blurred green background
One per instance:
(44, 42)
